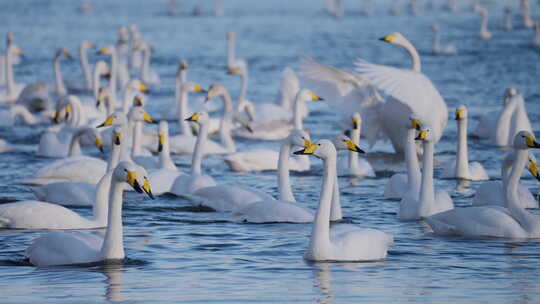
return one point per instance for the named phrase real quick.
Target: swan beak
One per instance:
(531, 142)
(143, 88)
(67, 55)
(416, 124)
(533, 169)
(460, 114)
(117, 136)
(107, 122)
(138, 101)
(132, 181)
(56, 118)
(356, 123)
(197, 88)
(148, 119)
(314, 96)
(146, 188)
(160, 143)
(307, 150)
(353, 147)
(99, 145)
(248, 127)
(193, 117)
(422, 135)
(232, 71)
(107, 75)
(183, 66)
(103, 51)
(387, 38)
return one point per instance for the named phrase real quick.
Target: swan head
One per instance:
(103, 68)
(238, 67)
(191, 87)
(95, 136)
(108, 50)
(322, 149)
(426, 135)
(415, 122)
(299, 138)
(307, 95)
(133, 175)
(14, 49)
(215, 90)
(103, 94)
(343, 142)
(139, 100)
(182, 65)
(139, 114)
(117, 118)
(356, 120)
(136, 84)
(532, 166)
(87, 45)
(117, 135)
(63, 52)
(395, 38)
(525, 140)
(509, 93)
(163, 134)
(461, 113)
(201, 118)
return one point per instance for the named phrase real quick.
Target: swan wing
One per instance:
(356, 244)
(274, 211)
(162, 180)
(77, 168)
(396, 187)
(227, 198)
(67, 193)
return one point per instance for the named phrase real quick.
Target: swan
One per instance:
(412, 92)
(460, 168)
(163, 177)
(87, 85)
(401, 184)
(484, 34)
(63, 248)
(354, 166)
(75, 167)
(16, 59)
(266, 159)
(439, 49)
(187, 184)
(147, 75)
(122, 48)
(536, 38)
(110, 50)
(79, 193)
(414, 205)
(511, 221)
(526, 14)
(60, 86)
(511, 119)
(18, 114)
(488, 122)
(491, 192)
(10, 93)
(231, 48)
(288, 88)
(507, 19)
(351, 244)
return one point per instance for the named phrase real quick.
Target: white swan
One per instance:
(85, 86)
(511, 221)
(79, 193)
(484, 33)
(401, 184)
(414, 205)
(110, 50)
(488, 122)
(412, 92)
(353, 165)
(187, 184)
(492, 193)
(351, 244)
(511, 119)
(10, 93)
(16, 59)
(267, 159)
(147, 75)
(20, 115)
(60, 86)
(507, 19)
(62, 248)
(75, 167)
(528, 22)
(460, 168)
(437, 47)
(162, 178)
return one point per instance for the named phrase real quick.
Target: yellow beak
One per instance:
(307, 150)
(108, 122)
(314, 96)
(143, 88)
(194, 117)
(147, 118)
(99, 144)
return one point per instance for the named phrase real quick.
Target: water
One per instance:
(179, 254)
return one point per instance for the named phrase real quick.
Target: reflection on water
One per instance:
(323, 281)
(463, 186)
(114, 282)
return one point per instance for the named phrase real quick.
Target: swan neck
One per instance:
(231, 50)
(415, 57)
(199, 150)
(113, 77)
(185, 129)
(284, 183)
(298, 121)
(411, 160)
(127, 99)
(225, 132)
(146, 64)
(8, 68)
(335, 211)
(484, 24)
(137, 138)
(244, 85)
(113, 244)
(59, 82)
(462, 161)
(165, 161)
(115, 156)
(85, 67)
(320, 234)
(353, 156)
(101, 203)
(74, 144)
(427, 191)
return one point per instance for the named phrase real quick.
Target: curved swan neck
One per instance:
(462, 160)
(74, 144)
(427, 191)
(114, 76)
(101, 203)
(501, 134)
(411, 160)
(298, 122)
(243, 88)
(284, 183)
(85, 67)
(231, 49)
(415, 57)
(137, 138)
(335, 211)
(145, 70)
(198, 154)
(320, 233)
(126, 102)
(185, 129)
(225, 132)
(113, 244)
(59, 82)
(353, 156)
(165, 161)
(96, 74)
(8, 68)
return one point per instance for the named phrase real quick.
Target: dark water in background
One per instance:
(178, 255)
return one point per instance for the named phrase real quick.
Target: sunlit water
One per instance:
(178, 254)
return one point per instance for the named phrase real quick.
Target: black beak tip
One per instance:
(301, 152)
(321, 99)
(137, 187)
(101, 149)
(360, 150)
(150, 194)
(101, 125)
(382, 39)
(117, 141)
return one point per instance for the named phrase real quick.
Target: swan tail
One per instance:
(4, 222)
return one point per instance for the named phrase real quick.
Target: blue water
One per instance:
(180, 254)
